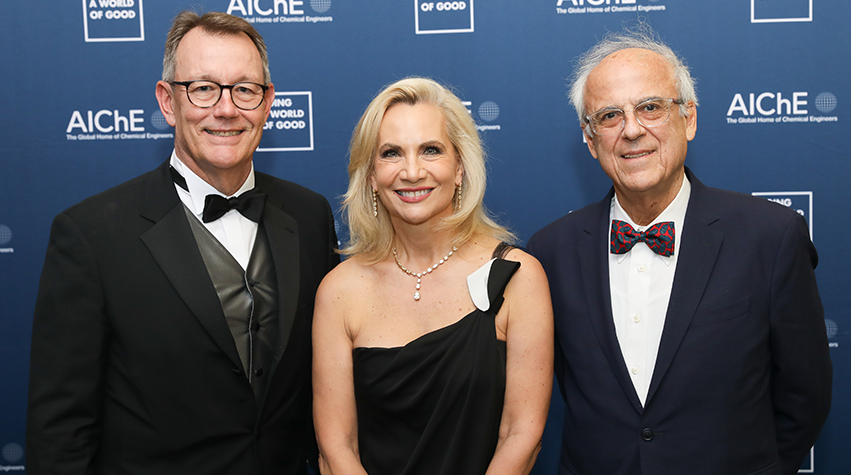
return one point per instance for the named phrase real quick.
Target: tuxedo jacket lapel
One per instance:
(594, 262)
(698, 251)
(282, 231)
(173, 247)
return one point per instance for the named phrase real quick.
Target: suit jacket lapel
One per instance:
(173, 247)
(282, 231)
(698, 252)
(594, 263)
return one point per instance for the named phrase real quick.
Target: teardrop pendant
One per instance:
(420, 275)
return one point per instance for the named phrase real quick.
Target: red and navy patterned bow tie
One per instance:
(659, 237)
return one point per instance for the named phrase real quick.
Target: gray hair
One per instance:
(639, 37)
(214, 23)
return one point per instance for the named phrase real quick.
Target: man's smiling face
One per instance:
(639, 159)
(220, 139)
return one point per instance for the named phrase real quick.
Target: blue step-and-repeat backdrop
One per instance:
(79, 116)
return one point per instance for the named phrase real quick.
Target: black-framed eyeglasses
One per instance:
(650, 113)
(205, 94)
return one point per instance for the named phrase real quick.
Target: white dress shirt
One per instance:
(640, 283)
(233, 230)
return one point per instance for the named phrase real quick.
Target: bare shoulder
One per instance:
(529, 309)
(479, 249)
(483, 248)
(529, 286)
(529, 266)
(340, 299)
(346, 280)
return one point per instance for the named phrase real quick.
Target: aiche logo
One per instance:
(436, 17)
(5, 239)
(781, 11)
(289, 127)
(800, 201)
(12, 453)
(580, 7)
(487, 112)
(832, 329)
(114, 124)
(825, 102)
(781, 107)
(280, 11)
(113, 20)
(320, 6)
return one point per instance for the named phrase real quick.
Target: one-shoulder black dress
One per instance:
(433, 406)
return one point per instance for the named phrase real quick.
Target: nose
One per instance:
(413, 168)
(225, 107)
(632, 129)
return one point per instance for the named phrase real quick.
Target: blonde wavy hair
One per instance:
(371, 237)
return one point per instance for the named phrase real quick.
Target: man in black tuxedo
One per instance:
(172, 328)
(690, 336)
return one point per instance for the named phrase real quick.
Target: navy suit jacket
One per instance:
(134, 369)
(742, 382)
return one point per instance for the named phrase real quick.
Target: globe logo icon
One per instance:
(831, 327)
(320, 6)
(488, 111)
(825, 102)
(158, 121)
(5, 234)
(13, 452)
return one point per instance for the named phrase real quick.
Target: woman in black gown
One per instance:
(443, 371)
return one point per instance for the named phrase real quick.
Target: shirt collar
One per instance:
(676, 212)
(199, 189)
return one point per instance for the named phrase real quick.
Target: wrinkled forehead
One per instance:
(628, 77)
(201, 50)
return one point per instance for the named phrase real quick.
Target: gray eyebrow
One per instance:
(640, 101)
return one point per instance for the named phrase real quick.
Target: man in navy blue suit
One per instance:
(690, 336)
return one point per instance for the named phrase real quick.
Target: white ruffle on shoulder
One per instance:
(477, 284)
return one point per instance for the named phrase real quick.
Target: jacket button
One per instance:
(259, 372)
(647, 435)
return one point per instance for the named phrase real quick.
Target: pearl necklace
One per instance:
(420, 275)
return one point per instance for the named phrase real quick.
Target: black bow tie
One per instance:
(249, 204)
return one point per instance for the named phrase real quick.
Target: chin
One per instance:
(229, 158)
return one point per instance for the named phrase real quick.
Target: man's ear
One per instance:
(589, 139)
(166, 101)
(269, 99)
(691, 121)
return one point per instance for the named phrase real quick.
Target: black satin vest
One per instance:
(249, 300)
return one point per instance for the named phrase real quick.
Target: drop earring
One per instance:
(375, 202)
